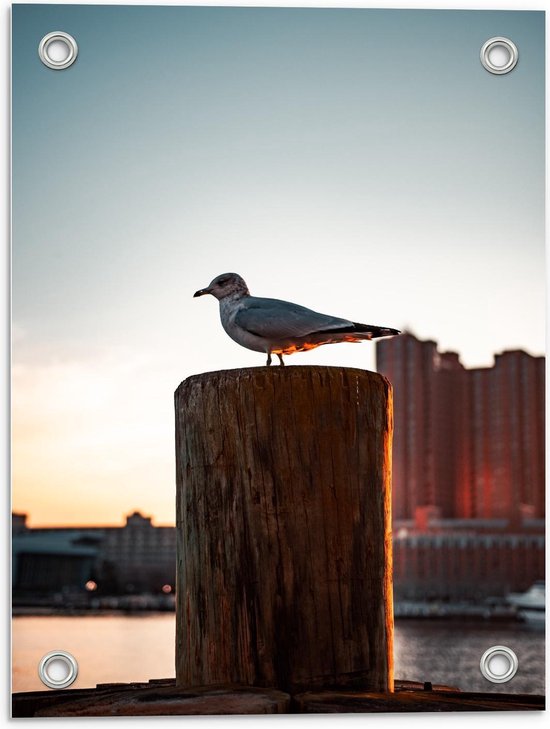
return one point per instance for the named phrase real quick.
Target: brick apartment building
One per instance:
(468, 470)
(468, 441)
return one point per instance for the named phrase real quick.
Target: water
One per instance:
(108, 648)
(449, 653)
(111, 648)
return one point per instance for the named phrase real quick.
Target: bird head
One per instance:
(226, 284)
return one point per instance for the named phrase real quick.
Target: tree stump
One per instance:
(284, 571)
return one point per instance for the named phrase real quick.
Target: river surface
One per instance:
(111, 648)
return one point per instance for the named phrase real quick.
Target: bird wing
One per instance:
(277, 320)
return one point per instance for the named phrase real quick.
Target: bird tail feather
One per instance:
(375, 331)
(365, 331)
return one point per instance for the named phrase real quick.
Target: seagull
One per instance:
(280, 327)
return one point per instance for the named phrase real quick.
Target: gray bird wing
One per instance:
(279, 320)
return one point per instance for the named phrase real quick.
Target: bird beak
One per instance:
(202, 292)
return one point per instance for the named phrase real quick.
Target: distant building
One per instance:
(465, 566)
(468, 471)
(54, 562)
(409, 365)
(18, 523)
(140, 556)
(469, 441)
(137, 557)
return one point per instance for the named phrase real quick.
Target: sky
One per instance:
(359, 162)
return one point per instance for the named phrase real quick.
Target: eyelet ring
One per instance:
(50, 679)
(58, 36)
(499, 651)
(495, 42)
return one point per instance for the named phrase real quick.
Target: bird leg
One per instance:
(268, 359)
(280, 356)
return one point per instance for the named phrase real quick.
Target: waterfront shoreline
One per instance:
(402, 611)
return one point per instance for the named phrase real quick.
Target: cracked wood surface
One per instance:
(160, 697)
(283, 528)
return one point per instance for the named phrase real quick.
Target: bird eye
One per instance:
(223, 281)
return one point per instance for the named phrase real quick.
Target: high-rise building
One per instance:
(409, 364)
(468, 442)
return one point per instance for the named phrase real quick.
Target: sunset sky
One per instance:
(359, 162)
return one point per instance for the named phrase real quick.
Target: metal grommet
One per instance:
(59, 38)
(499, 664)
(58, 669)
(510, 49)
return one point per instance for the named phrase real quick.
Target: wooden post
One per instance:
(284, 572)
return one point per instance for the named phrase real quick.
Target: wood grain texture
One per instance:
(170, 701)
(161, 696)
(283, 529)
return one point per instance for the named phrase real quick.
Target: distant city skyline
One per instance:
(111, 520)
(360, 162)
(22, 519)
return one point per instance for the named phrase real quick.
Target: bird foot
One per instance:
(268, 359)
(280, 356)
